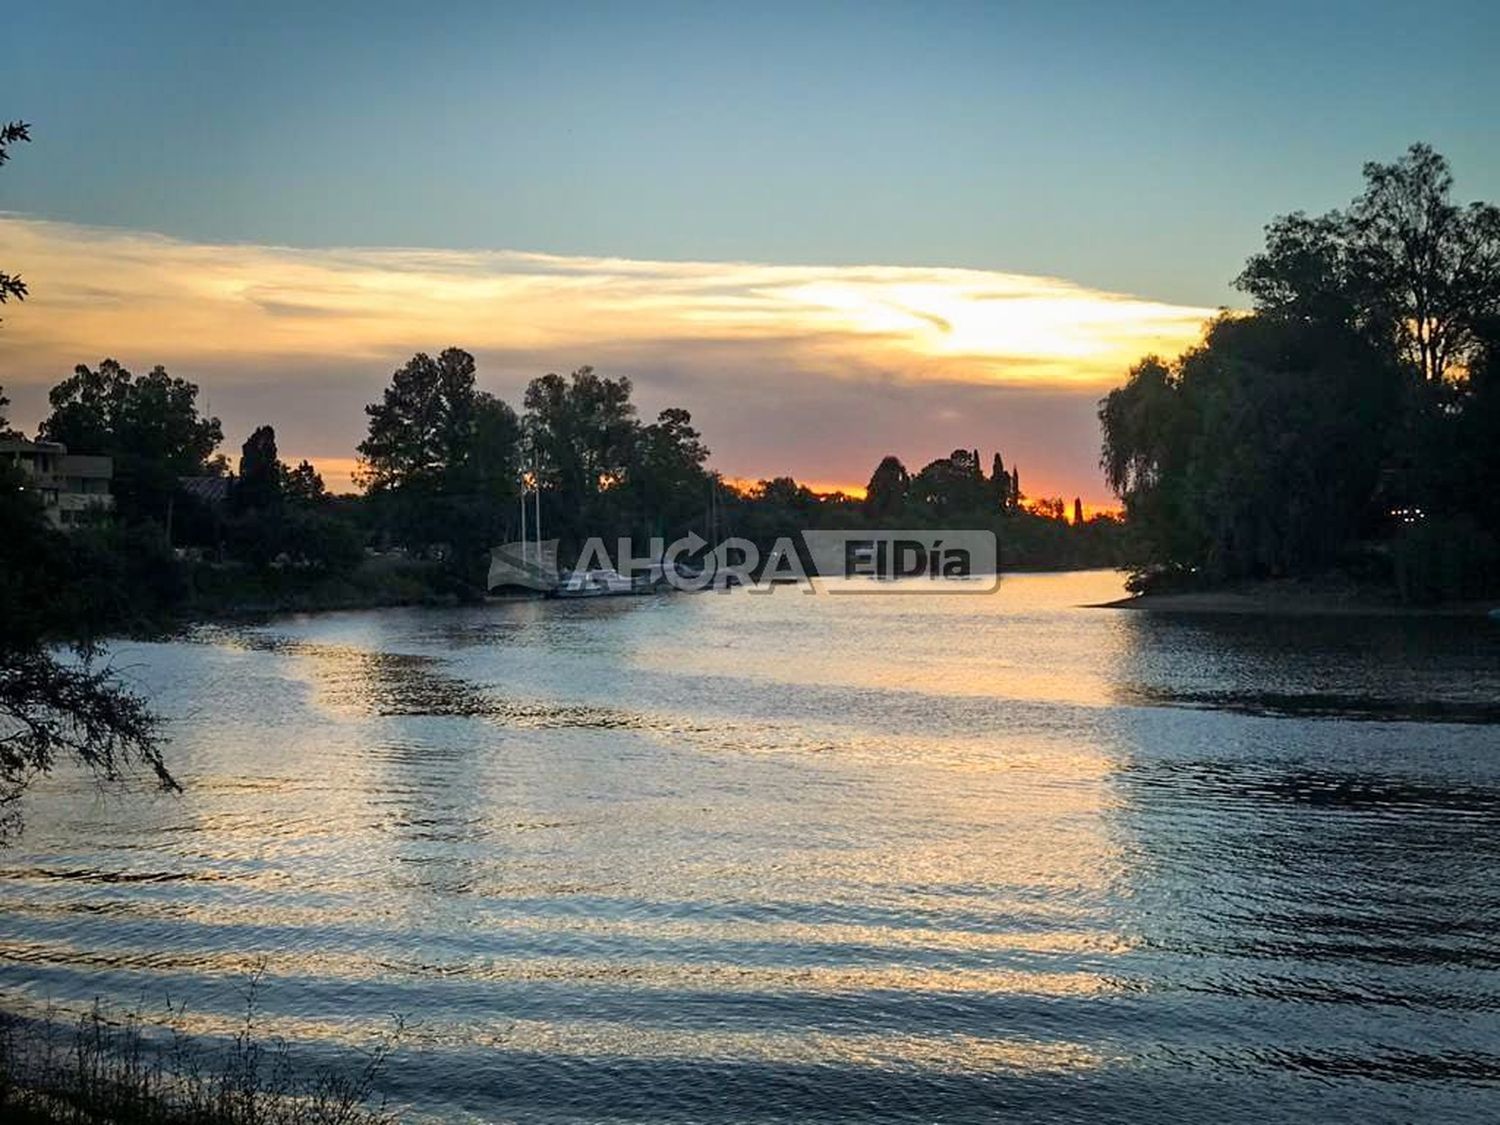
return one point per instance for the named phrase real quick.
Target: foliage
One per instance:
(440, 457)
(1360, 388)
(51, 707)
(149, 425)
(1445, 559)
(1403, 264)
(889, 489)
(261, 479)
(11, 133)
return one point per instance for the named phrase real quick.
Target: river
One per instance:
(796, 857)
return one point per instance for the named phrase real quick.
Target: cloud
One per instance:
(809, 370)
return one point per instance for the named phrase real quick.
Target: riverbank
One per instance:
(1294, 598)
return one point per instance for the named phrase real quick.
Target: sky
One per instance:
(831, 231)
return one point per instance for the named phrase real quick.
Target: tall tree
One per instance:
(582, 434)
(1404, 263)
(150, 425)
(260, 483)
(420, 431)
(304, 485)
(952, 485)
(441, 456)
(1000, 482)
(887, 492)
(667, 479)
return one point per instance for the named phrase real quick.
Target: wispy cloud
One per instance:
(298, 330)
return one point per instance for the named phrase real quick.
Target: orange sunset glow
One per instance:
(332, 323)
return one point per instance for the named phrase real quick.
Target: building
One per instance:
(71, 484)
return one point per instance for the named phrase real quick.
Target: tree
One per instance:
(5, 430)
(1077, 512)
(149, 425)
(582, 434)
(999, 482)
(490, 462)
(667, 480)
(53, 710)
(440, 456)
(1257, 453)
(952, 485)
(1404, 263)
(303, 485)
(50, 709)
(1357, 389)
(260, 483)
(420, 428)
(1049, 508)
(886, 494)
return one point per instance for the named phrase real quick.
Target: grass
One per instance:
(107, 1066)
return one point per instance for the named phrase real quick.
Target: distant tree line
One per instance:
(442, 468)
(1350, 421)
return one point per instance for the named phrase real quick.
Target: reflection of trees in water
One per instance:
(1387, 668)
(1298, 855)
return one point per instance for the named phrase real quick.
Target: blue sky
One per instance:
(1135, 147)
(1127, 148)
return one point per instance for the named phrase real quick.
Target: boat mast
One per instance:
(523, 519)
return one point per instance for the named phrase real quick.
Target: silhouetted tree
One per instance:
(1049, 507)
(886, 494)
(259, 487)
(582, 432)
(440, 457)
(1403, 263)
(5, 430)
(666, 480)
(419, 433)
(1077, 512)
(1356, 389)
(149, 425)
(1258, 452)
(304, 485)
(952, 485)
(1000, 483)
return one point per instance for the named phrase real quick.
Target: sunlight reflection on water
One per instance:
(800, 858)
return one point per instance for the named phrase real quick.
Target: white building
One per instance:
(71, 484)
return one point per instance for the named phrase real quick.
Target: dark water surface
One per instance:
(790, 858)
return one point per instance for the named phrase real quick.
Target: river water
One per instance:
(812, 858)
